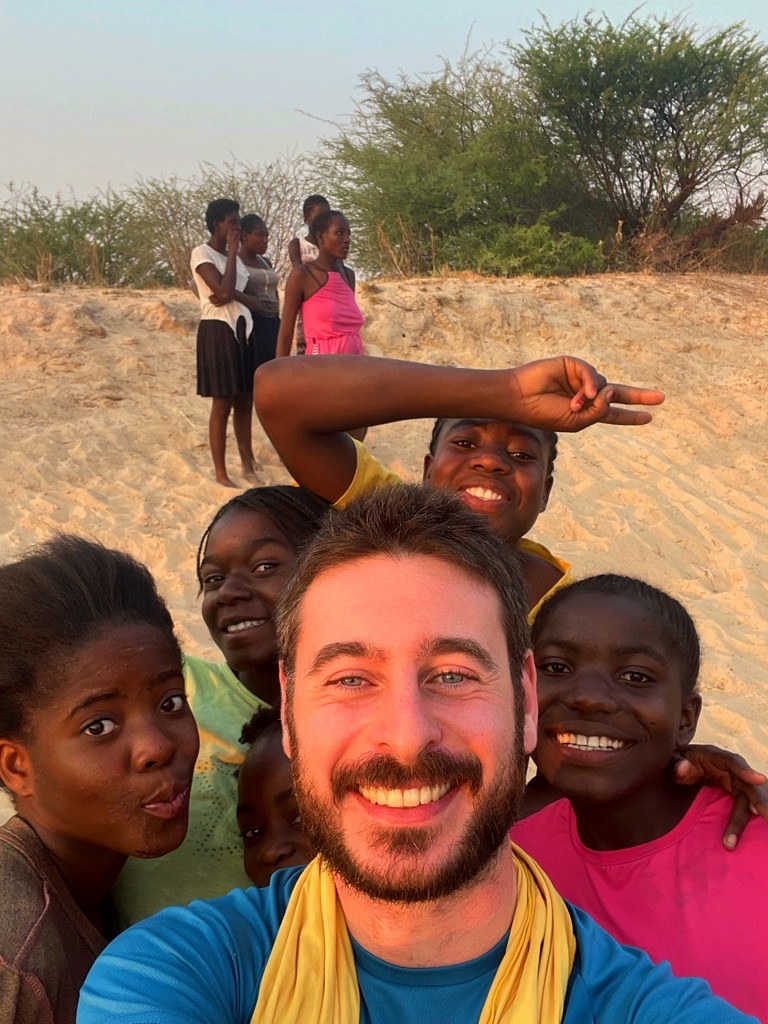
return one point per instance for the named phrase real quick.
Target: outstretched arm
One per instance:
(713, 766)
(306, 405)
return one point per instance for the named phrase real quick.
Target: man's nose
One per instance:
(408, 725)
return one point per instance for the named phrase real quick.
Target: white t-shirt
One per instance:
(230, 313)
(309, 252)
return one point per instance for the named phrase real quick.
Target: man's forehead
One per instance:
(364, 584)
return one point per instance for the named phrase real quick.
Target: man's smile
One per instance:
(411, 797)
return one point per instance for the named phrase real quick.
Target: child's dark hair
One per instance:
(251, 221)
(669, 614)
(313, 200)
(218, 210)
(55, 599)
(264, 721)
(549, 435)
(296, 512)
(321, 222)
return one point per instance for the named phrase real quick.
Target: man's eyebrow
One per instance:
(446, 645)
(346, 649)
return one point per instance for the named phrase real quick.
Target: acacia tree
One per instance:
(444, 170)
(652, 115)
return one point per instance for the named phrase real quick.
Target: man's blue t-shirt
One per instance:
(203, 965)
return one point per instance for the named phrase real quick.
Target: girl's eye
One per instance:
(634, 675)
(251, 834)
(176, 702)
(212, 581)
(264, 567)
(555, 668)
(462, 442)
(101, 727)
(523, 456)
(296, 823)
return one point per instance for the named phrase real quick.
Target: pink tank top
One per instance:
(331, 311)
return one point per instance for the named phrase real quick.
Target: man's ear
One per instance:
(283, 706)
(689, 719)
(16, 769)
(427, 467)
(531, 703)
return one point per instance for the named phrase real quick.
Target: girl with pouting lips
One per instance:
(97, 750)
(244, 560)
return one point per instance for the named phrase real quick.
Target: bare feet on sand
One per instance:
(224, 480)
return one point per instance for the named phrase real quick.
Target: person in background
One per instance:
(262, 286)
(244, 559)
(224, 361)
(324, 292)
(303, 249)
(267, 813)
(617, 664)
(97, 749)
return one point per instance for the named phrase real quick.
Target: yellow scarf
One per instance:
(310, 977)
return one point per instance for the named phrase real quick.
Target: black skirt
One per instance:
(224, 364)
(264, 339)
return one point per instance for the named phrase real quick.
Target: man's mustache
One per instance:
(432, 768)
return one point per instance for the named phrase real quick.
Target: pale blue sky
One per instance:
(94, 94)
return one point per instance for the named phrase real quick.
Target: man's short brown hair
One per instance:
(410, 519)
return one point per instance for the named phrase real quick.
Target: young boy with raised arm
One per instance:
(493, 443)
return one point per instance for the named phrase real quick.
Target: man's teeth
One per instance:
(484, 493)
(238, 627)
(572, 739)
(403, 797)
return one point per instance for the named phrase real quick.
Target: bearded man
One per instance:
(409, 706)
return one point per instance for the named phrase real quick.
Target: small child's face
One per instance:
(611, 706)
(267, 815)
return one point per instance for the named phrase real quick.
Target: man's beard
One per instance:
(468, 857)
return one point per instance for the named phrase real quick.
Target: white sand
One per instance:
(104, 436)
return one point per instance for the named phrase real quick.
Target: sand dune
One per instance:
(103, 435)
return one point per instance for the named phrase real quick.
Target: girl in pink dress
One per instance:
(324, 292)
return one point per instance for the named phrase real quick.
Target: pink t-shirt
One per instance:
(682, 898)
